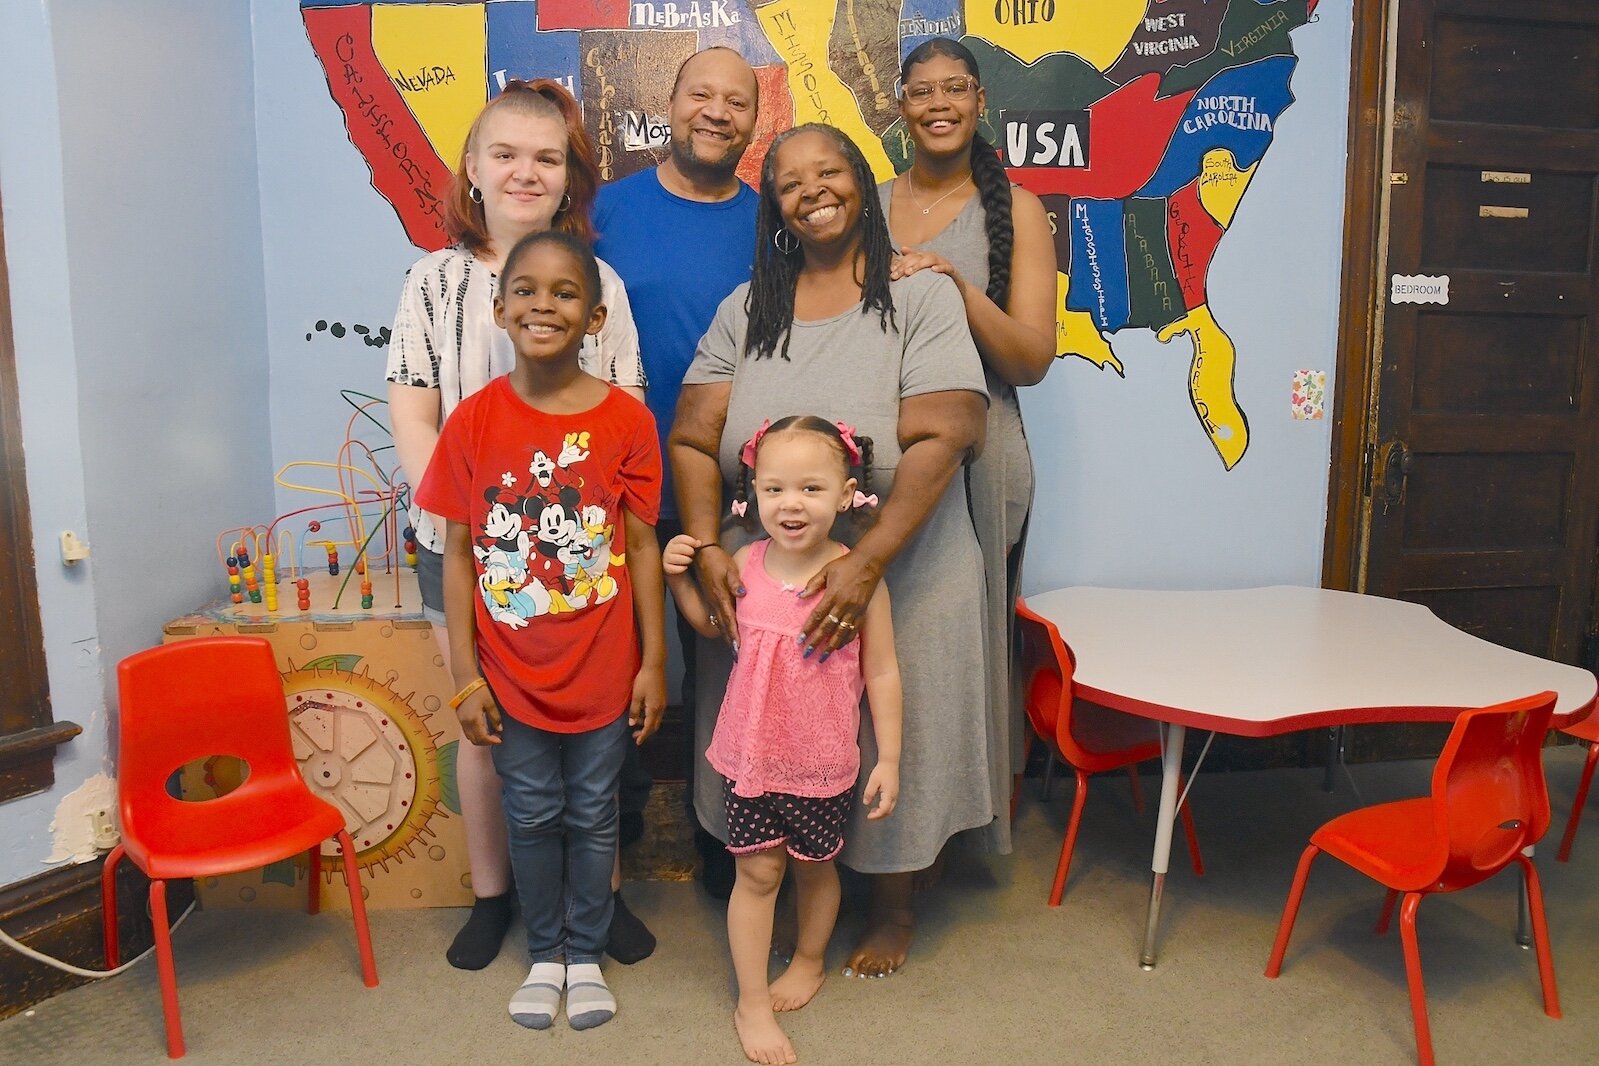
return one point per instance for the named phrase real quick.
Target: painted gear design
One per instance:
(362, 747)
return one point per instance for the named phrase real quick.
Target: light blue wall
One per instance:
(334, 249)
(1130, 492)
(129, 184)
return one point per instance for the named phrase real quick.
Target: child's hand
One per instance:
(648, 702)
(479, 716)
(678, 555)
(884, 786)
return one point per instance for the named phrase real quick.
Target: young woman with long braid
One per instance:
(955, 211)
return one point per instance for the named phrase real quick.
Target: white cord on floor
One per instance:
(39, 956)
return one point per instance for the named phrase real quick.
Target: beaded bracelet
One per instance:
(471, 687)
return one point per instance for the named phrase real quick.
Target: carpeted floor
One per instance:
(996, 976)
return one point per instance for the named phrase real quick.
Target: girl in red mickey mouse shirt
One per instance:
(550, 480)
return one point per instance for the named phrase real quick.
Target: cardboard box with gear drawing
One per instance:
(367, 695)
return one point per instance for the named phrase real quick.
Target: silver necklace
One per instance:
(910, 183)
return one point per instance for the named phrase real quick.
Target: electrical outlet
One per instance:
(103, 821)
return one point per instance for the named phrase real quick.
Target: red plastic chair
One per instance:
(1089, 738)
(1488, 802)
(191, 700)
(1585, 730)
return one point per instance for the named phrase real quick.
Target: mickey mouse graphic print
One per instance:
(544, 496)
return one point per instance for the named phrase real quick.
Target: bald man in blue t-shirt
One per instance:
(682, 236)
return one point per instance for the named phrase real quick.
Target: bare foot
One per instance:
(885, 946)
(785, 926)
(762, 1037)
(798, 985)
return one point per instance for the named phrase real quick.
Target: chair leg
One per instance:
(1049, 773)
(1540, 938)
(1576, 806)
(1387, 912)
(1418, 991)
(164, 966)
(363, 935)
(1193, 837)
(1063, 867)
(313, 903)
(1285, 928)
(108, 907)
(1137, 786)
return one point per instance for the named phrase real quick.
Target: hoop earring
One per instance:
(788, 247)
(566, 202)
(474, 194)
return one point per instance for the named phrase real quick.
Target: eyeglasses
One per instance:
(955, 89)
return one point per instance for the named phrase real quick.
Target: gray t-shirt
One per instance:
(848, 368)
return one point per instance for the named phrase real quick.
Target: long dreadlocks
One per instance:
(770, 303)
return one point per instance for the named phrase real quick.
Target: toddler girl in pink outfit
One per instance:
(785, 738)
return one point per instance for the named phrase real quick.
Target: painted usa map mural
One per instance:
(1140, 123)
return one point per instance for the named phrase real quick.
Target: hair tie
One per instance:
(863, 500)
(747, 454)
(851, 448)
(740, 508)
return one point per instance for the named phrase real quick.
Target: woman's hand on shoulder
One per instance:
(909, 260)
(846, 585)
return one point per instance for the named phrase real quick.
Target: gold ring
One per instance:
(835, 619)
(846, 625)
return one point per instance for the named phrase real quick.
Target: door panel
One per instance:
(1485, 496)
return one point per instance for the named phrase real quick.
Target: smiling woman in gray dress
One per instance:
(822, 329)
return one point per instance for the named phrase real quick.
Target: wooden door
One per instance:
(1484, 473)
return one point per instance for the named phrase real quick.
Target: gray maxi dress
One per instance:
(847, 368)
(1000, 484)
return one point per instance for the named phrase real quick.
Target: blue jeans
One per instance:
(560, 808)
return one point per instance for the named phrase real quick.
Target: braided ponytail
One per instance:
(993, 188)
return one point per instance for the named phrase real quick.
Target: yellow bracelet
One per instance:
(471, 687)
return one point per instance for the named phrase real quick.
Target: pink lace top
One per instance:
(788, 724)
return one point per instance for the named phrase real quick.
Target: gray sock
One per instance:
(588, 999)
(535, 1003)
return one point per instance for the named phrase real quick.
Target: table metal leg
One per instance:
(1171, 761)
(1523, 934)
(1335, 756)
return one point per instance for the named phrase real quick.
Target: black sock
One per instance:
(630, 939)
(479, 940)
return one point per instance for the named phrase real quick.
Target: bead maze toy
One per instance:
(357, 530)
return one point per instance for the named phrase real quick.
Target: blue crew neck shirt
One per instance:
(679, 260)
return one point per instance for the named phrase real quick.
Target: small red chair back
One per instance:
(1090, 737)
(191, 700)
(1047, 668)
(1489, 796)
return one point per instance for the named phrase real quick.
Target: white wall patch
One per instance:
(84, 814)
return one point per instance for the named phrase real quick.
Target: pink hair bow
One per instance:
(747, 455)
(851, 448)
(741, 507)
(863, 500)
